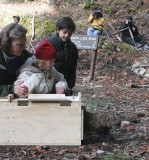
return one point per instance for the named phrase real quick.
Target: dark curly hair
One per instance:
(9, 33)
(65, 23)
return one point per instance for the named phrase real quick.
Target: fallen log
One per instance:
(139, 86)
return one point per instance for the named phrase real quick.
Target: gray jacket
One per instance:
(40, 82)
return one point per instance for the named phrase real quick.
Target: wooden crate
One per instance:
(41, 120)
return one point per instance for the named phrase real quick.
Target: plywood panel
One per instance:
(40, 123)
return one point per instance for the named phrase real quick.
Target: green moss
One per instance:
(110, 46)
(68, 156)
(120, 2)
(7, 20)
(80, 25)
(118, 156)
(26, 22)
(139, 10)
(89, 4)
(95, 103)
(42, 27)
(100, 42)
(126, 48)
(101, 55)
(110, 69)
(111, 10)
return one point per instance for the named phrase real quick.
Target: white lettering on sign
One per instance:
(83, 38)
(73, 38)
(92, 38)
(85, 42)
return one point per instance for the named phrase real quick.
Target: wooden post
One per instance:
(92, 65)
(88, 43)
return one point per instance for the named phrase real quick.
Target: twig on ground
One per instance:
(33, 33)
(115, 32)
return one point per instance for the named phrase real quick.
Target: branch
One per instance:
(139, 86)
(116, 33)
(33, 33)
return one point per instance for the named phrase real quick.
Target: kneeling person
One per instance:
(38, 72)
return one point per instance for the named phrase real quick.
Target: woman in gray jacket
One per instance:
(38, 72)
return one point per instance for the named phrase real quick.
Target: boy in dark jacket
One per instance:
(66, 51)
(137, 39)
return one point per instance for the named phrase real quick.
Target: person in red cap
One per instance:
(38, 72)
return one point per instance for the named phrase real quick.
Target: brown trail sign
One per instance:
(87, 43)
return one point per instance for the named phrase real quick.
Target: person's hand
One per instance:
(133, 28)
(94, 14)
(127, 21)
(20, 89)
(59, 90)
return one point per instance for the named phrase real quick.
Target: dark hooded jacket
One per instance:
(126, 32)
(6, 78)
(66, 58)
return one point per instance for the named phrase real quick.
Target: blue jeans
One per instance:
(93, 32)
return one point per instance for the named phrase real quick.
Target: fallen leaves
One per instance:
(128, 128)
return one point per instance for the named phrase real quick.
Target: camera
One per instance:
(98, 15)
(130, 23)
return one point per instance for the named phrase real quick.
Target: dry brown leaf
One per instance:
(147, 151)
(82, 147)
(128, 128)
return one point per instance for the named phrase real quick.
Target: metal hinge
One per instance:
(65, 103)
(22, 103)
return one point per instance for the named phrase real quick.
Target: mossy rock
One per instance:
(100, 42)
(110, 45)
(126, 48)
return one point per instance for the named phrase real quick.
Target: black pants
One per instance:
(138, 39)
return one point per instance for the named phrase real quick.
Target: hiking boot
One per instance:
(146, 47)
(138, 45)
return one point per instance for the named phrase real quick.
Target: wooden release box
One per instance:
(41, 119)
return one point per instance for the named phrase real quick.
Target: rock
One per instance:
(141, 114)
(147, 71)
(100, 151)
(87, 79)
(146, 75)
(142, 128)
(124, 123)
(142, 71)
(136, 65)
(100, 122)
(136, 70)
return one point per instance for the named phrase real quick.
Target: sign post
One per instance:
(87, 43)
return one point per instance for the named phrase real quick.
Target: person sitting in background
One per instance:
(135, 39)
(12, 55)
(97, 22)
(38, 73)
(16, 19)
